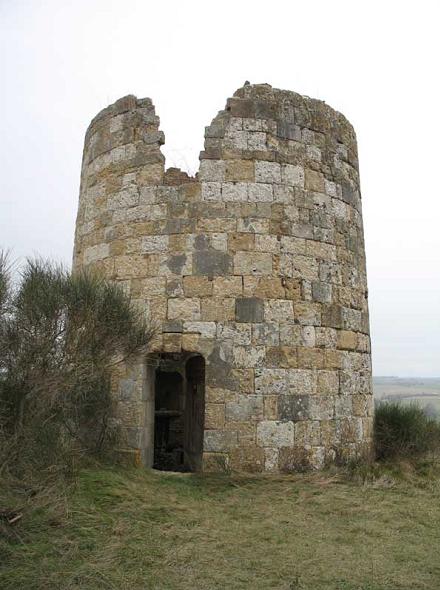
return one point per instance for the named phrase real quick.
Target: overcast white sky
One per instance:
(377, 62)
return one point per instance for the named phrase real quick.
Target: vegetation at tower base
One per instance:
(60, 334)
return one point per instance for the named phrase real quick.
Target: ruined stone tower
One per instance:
(254, 271)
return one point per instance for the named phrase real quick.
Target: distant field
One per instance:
(424, 391)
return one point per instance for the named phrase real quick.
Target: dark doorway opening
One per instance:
(179, 411)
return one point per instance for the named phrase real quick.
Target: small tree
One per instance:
(60, 334)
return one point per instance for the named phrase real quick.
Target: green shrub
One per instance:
(402, 431)
(60, 335)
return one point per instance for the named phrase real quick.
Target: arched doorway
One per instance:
(179, 409)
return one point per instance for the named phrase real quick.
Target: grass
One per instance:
(132, 529)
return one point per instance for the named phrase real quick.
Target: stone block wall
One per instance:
(257, 263)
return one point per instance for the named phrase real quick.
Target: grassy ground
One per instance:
(130, 529)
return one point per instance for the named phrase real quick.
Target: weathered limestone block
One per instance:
(238, 333)
(272, 433)
(246, 408)
(181, 308)
(204, 329)
(278, 310)
(220, 440)
(248, 356)
(255, 263)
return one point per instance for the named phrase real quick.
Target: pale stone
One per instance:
(257, 141)
(236, 139)
(238, 333)
(211, 191)
(254, 125)
(330, 188)
(340, 209)
(235, 191)
(205, 329)
(95, 253)
(308, 136)
(124, 199)
(116, 123)
(219, 241)
(253, 225)
(267, 244)
(292, 175)
(260, 193)
(303, 267)
(271, 433)
(267, 333)
(249, 407)
(188, 308)
(308, 313)
(351, 319)
(271, 460)
(343, 406)
(254, 263)
(147, 195)
(348, 383)
(212, 170)
(314, 153)
(321, 407)
(154, 244)
(290, 334)
(302, 381)
(328, 382)
(308, 336)
(286, 195)
(149, 287)
(269, 172)
(293, 245)
(219, 440)
(278, 310)
(271, 381)
(248, 356)
(321, 250)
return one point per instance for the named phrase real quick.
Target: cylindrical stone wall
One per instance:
(258, 264)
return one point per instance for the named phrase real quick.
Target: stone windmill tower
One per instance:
(255, 272)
